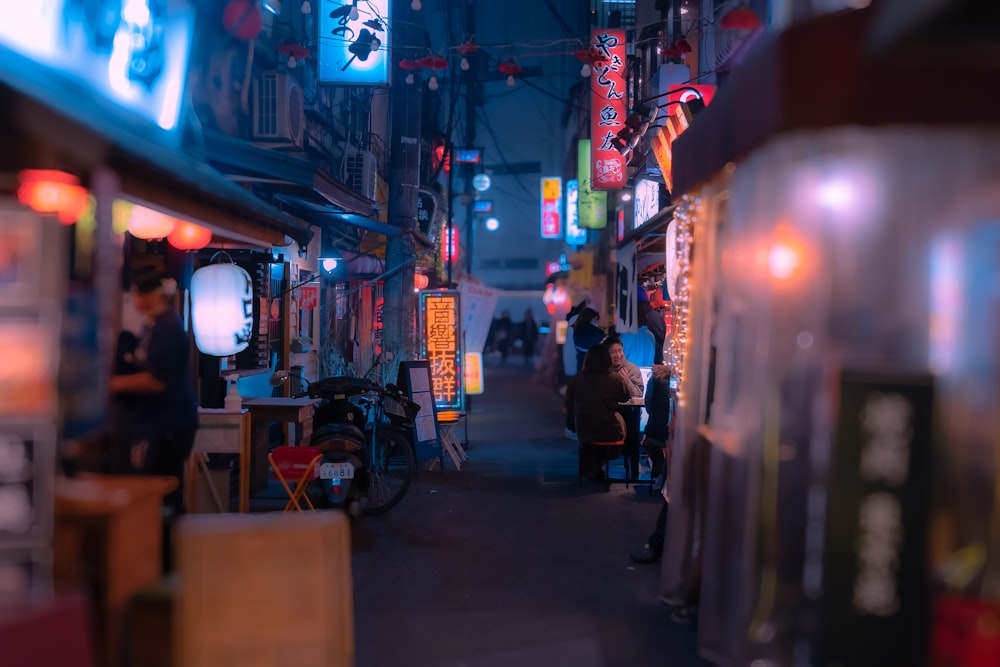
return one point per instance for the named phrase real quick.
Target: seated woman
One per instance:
(593, 396)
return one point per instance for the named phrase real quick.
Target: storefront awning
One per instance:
(87, 134)
(322, 214)
(791, 82)
(243, 161)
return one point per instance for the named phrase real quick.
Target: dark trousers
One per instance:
(166, 455)
(656, 538)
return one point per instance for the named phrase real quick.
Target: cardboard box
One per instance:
(263, 590)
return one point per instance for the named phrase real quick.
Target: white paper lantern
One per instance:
(222, 309)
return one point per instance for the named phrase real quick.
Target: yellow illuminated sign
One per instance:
(474, 380)
(551, 188)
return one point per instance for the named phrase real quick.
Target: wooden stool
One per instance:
(605, 459)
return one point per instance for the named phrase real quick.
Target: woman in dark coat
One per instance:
(593, 396)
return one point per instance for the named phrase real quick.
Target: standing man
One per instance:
(163, 402)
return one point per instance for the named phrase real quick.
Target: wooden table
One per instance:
(109, 533)
(220, 432)
(264, 411)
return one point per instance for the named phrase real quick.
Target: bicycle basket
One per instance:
(399, 406)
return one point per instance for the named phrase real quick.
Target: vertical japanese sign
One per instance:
(351, 39)
(574, 235)
(551, 208)
(626, 291)
(441, 345)
(607, 115)
(377, 324)
(871, 565)
(592, 207)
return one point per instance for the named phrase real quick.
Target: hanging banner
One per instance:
(607, 109)
(478, 304)
(552, 208)
(441, 346)
(592, 207)
(626, 294)
(574, 235)
(351, 40)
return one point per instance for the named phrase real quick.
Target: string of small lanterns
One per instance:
(685, 217)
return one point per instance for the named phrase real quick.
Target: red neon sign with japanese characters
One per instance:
(607, 115)
(552, 208)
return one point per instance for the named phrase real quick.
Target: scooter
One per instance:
(361, 428)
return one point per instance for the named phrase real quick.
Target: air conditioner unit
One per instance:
(360, 171)
(278, 114)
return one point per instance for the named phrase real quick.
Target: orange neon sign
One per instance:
(440, 343)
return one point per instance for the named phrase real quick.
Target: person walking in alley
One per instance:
(593, 396)
(503, 332)
(529, 336)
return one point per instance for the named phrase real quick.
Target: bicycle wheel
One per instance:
(393, 466)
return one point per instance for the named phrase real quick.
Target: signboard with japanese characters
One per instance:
(426, 207)
(574, 235)
(607, 115)
(648, 201)
(352, 42)
(592, 207)
(626, 291)
(552, 208)
(873, 557)
(441, 346)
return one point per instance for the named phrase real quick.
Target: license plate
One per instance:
(336, 471)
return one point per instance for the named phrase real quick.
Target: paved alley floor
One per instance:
(507, 563)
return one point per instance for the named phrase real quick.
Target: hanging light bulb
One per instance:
(353, 14)
(510, 80)
(409, 78)
(464, 65)
(306, 7)
(585, 70)
(292, 62)
(416, 6)
(433, 83)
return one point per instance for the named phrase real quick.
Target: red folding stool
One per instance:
(295, 465)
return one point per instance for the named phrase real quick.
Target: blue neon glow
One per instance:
(344, 53)
(574, 234)
(136, 56)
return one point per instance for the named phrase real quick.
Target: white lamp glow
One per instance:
(492, 224)
(222, 309)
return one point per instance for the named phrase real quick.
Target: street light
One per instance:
(492, 224)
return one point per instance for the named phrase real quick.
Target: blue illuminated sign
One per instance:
(574, 234)
(483, 206)
(132, 52)
(353, 46)
(468, 155)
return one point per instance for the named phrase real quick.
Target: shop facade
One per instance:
(834, 360)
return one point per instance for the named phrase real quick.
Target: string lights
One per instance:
(685, 217)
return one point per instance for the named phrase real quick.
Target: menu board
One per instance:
(415, 379)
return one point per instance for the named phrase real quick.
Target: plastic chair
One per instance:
(299, 466)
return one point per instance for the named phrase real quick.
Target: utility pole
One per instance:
(405, 113)
(473, 95)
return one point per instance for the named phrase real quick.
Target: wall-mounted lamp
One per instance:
(330, 264)
(271, 6)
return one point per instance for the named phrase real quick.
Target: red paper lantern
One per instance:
(420, 281)
(53, 193)
(509, 67)
(433, 62)
(467, 47)
(408, 64)
(296, 51)
(145, 223)
(740, 18)
(189, 236)
(683, 45)
(670, 51)
(243, 19)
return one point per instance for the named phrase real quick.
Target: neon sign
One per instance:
(440, 344)
(352, 39)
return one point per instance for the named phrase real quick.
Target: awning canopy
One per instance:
(272, 169)
(323, 214)
(86, 134)
(792, 81)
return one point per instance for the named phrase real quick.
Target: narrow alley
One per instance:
(507, 562)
